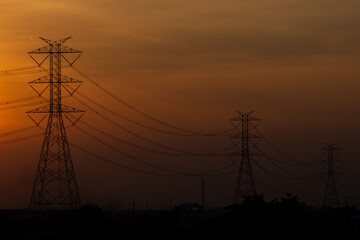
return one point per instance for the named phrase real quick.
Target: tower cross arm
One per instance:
(241, 118)
(249, 136)
(64, 79)
(41, 50)
(64, 109)
(62, 49)
(65, 49)
(240, 153)
(52, 42)
(67, 109)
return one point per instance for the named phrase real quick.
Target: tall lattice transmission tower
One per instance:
(244, 123)
(331, 198)
(55, 185)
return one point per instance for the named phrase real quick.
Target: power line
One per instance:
(16, 131)
(128, 155)
(151, 164)
(23, 105)
(18, 69)
(148, 115)
(133, 121)
(28, 104)
(149, 140)
(282, 153)
(6, 73)
(350, 181)
(92, 127)
(287, 163)
(20, 73)
(18, 100)
(118, 164)
(134, 169)
(274, 178)
(285, 177)
(274, 160)
(347, 189)
(351, 169)
(21, 139)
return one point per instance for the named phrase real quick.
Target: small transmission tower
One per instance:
(244, 123)
(55, 186)
(331, 198)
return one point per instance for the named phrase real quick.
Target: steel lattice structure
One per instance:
(243, 123)
(331, 198)
(55, 185)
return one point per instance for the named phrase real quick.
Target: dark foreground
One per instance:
(287, 218)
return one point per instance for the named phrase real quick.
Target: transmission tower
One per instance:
(244, 123)
(331, 198)
(55, 186)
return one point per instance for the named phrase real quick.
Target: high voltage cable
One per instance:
(5, 73)
(357, 195)
(118, 164)
(18, 69)
(133, 121)
(147, 139)
(20, 73)
(21, 139)
(349, 193)
(134, 145)
(150, 164)
(23, 105)
(92, 127)
(130, 144)
(286, 163)
(16, 131)
(282, 153)
(148, 115)
(273, 161)
(272, 177)
(18, 100)
(132, 168)
(351, 169)
(128, 155)
(350, 181)
(28, 104)
(283, 177)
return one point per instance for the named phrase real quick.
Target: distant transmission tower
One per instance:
(55, 185)
(331, 198)
(244, 123)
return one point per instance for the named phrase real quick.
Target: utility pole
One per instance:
(243, 124)
(55, 186)
(203, 192)
(331, 198)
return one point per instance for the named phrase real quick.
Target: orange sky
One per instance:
(190, 63)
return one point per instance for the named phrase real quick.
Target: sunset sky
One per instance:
(191, 64)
